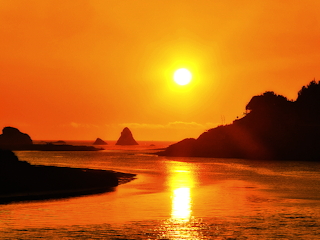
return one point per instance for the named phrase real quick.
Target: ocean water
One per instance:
(174, 198)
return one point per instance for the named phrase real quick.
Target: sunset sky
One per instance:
(82, 69)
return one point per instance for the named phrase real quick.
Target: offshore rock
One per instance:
(99, 141)
(11, 137)
(126, 138)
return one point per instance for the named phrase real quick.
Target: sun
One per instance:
(182, 76)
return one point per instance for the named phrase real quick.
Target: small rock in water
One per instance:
(99, 141)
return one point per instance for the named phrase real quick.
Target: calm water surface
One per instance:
(175, 198)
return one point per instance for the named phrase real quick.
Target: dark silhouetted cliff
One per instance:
(273, 128)
(126, 138)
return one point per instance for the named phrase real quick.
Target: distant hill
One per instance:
(272, 128)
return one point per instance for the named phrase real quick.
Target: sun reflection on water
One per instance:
(181, 204)
(181, 181)
(181, 225)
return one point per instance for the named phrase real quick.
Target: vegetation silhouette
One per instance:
(272, 128)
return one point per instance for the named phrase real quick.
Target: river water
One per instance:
(174, 198)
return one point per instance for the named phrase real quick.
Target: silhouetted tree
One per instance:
(308, 104)
(268, 101)
(309, 92)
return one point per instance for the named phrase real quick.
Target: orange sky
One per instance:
(88, 68)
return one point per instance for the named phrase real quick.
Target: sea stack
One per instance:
(12, 138)
(99, 141)
(126, 138)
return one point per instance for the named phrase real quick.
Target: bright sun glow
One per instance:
(182, 76)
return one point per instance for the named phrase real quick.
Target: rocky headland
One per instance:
(126, 138)
(12, 139)
(273, 127)
(20, 181)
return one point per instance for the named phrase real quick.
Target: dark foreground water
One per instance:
(175, 198)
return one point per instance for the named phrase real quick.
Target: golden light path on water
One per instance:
(181, 181)
(181, 204)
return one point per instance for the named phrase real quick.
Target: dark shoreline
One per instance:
(36, 182)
